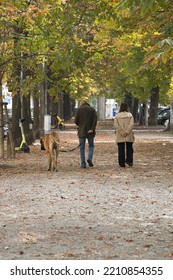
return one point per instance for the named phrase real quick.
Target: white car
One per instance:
(5, 130)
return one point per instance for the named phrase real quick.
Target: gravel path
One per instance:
(104, 212)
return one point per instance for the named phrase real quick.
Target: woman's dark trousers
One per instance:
(125, 153)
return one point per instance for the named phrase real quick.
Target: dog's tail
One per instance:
(55, 146)
(42, 145)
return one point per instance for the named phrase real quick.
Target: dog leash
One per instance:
(65, 151)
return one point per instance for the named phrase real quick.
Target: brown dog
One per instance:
(50, 143)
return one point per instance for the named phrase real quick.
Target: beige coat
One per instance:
(124, 122)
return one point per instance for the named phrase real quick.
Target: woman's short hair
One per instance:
(123, 107)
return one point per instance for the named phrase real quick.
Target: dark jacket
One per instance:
(85, 119)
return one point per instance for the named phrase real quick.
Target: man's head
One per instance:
(83, 101)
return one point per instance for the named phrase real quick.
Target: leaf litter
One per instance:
(104, 212)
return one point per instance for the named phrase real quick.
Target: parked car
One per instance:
(5, 129)
(163, 116)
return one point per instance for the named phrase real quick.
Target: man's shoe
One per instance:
(83, 166)
(90, 163)
(122, 165)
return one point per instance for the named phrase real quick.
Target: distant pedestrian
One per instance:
(124, 123)
(86, 120)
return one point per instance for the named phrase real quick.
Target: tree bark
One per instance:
(170, 127)
(16, 102)
(135, 103)
(11, 151)
(101, 110)
(1, 124)
(36, 122)
(154, 101)
(142, 114)
(128, 100)
(60, 105)
(16, 115)
(27, 115)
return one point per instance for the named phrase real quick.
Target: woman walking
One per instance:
(124, 122)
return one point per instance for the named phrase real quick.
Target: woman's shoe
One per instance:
(129, 163)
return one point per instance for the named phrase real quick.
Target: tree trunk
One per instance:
(10, 141)
(135, 103)
(101, 107)
(27, 115)
(1, 124)
(67, 107)
(154, 101)
(128, 100)
(60, 106)
(16, 101)
(53, 105)
(170, 127)
(36, 123)
(16, 115)
(41, 119)
(142, 114)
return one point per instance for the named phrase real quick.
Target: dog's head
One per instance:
(42, 143)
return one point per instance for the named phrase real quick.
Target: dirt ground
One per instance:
(104, 212)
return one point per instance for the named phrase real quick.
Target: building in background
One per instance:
(7, 98)
(111, 108)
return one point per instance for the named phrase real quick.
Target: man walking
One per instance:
(86, 120)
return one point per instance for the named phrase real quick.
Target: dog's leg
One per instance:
(53, 160)
(56, 156)
(50, 161)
